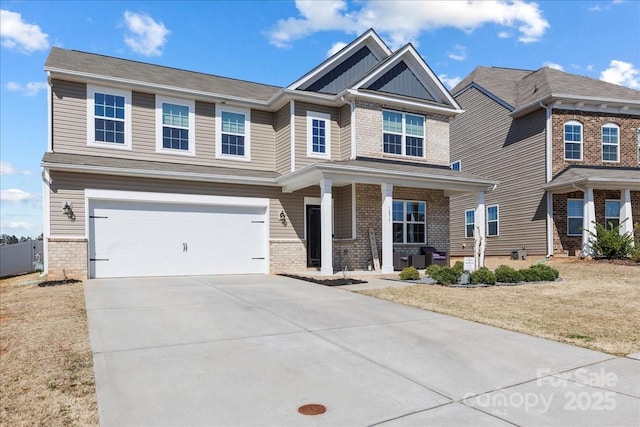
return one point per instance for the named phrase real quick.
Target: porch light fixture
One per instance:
(283, 217)
(68, 211)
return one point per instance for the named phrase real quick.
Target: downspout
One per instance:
(549, 176)
(46, 225)
(292, 121)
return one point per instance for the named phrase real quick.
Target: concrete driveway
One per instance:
(250, 350)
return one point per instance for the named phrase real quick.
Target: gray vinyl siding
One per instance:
(400, 80)
(70, 131)
(283, 140)
(490, 144)
(69, 187)
(345, 132)
(344, 74)
(69, 123)
(301, 133)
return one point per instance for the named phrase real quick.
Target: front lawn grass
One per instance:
(596, 305)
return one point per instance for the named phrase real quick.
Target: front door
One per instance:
(313, 236)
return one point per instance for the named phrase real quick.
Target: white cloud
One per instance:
(336, 48)
(458, 53)
(553, 65)
(449, 82)
(17, 34)
(403, 21)
(622, 73)
(9, 169)
(147, 36)
(30, 89)
(14, 195)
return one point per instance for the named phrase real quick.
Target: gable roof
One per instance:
(94, 66)
(523, 90)
(602, 177)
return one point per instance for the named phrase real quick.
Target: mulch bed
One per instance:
(58, 282)
(326, 282)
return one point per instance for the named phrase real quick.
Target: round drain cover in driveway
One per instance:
(312, 409)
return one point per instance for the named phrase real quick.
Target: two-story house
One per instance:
(566, 150)
(154, 171)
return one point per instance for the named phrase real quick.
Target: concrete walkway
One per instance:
(250, 350)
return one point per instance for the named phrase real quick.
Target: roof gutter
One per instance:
(174, 175)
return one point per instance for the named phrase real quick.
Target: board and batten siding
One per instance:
(283, 139)
(301, 109)
(70, 131)
(492, 145)
(343, 199)
(69, 187)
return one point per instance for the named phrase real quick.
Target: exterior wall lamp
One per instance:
(283, 217)
(68, 211)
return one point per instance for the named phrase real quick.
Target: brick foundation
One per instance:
(67, 257)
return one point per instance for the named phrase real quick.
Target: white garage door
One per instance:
(128, 238)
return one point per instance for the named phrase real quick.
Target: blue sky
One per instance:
(276, 42)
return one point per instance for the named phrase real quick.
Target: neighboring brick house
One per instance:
(565, 148)
(154, 171)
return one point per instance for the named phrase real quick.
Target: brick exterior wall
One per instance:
(287, 255)
(369, 134)
(571, 245)
(67, 258)
(592, 138)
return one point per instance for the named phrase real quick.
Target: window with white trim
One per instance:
(402, 133)
(233, 133)
(456, 166)
(493, 217)
(573, 140)
(611, 213)
(469, 222)
(574, 217)
(175, 126)
(409, 221)
(610, 143)
(108, 117)
(318, 134)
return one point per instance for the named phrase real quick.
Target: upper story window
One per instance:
(610, 143)
(108, 117)
(574, 217)
(573, 140)
(318, 134)
(611, 213)
(409, 221)
(175, 126)
(493, 218)
(469, 222)
(233, 133)
(403, 133)
(456, 166)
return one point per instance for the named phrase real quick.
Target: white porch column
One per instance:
(588, 222)
(550, 224)
(479, 232)
(387, 228)
(626, 213)
(326, 239)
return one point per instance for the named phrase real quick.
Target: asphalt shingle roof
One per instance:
(82, 62)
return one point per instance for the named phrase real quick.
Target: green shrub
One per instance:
(636, 255)
(458, 267)
(505, 274)
(530, 275)
(409, 273)
(483, 275)
(546, 273)
(431, 270)
(608, 243)
(445, 276)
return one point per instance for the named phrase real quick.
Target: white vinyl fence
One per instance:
(19, 258)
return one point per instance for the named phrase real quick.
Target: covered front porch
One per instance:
(395, 206)
(580, 197)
